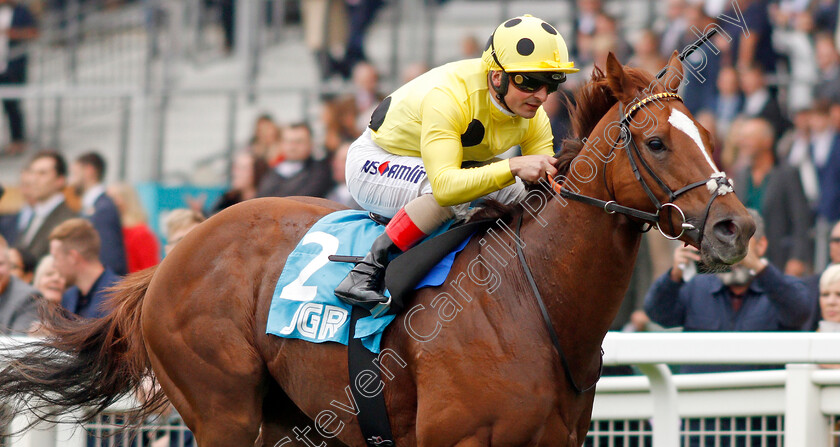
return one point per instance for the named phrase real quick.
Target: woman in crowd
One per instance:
(51, 285)
(141, 245)
(830, 302)
(48, 281)
(246, 173)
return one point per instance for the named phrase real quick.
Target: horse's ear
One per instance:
(618, 80)
(673, 74)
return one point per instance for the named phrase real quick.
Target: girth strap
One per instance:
(373, 414)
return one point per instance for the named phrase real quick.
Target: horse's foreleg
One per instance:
(281, 417)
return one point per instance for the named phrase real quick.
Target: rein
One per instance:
(555, 340)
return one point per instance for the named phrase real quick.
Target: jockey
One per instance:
(429, 149)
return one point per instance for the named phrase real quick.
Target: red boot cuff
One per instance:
(403, 232)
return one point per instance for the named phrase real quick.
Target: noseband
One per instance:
(718, 183)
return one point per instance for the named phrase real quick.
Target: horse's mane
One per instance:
(591, 102)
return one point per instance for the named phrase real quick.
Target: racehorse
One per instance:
(472, 362)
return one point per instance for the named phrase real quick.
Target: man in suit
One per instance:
(74, 246)
(776, 192)
(46, 176)
(759, 101)
(18, 300)
(298, 174)
(824, 153)
(86, 175)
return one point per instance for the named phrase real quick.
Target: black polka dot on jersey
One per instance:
(512, 22)
(525, 46)
(549, 29)
(473, 135)
(378, 115)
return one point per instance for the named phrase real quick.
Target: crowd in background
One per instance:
(770, 100)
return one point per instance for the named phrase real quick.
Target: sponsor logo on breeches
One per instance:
(400, 172)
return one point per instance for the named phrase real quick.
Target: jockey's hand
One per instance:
(532, 168)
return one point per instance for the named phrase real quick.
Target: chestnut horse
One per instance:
(470, 363)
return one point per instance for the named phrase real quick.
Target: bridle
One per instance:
(718, 183)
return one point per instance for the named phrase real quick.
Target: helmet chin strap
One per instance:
(501, 90)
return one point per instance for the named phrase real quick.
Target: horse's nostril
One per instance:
(726, 230)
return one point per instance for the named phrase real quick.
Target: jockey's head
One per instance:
(530, 54)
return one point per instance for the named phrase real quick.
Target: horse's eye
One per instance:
(656, 145)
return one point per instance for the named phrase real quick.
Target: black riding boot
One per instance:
(365, 283)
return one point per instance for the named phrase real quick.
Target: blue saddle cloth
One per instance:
(304, 305)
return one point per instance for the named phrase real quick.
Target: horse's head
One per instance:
(658, 160)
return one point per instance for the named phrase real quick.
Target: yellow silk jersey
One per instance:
(446, 116)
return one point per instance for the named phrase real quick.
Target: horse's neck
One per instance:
(582, 261)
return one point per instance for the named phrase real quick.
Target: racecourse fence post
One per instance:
(42, 434)
(666, 417)
(69, 433)
(805, 424)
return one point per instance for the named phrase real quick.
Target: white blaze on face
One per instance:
(686, 125)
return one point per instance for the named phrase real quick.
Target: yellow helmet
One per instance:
(527, 44)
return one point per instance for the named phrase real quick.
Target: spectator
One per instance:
(18, 300)
(700, 84)
(830, 302)
(776, 192)
(247, 171)
(45, 179)
(413, 70)
(227, 15)
(728, 102)
(74, 246)
(674, 29)
(361, 14)
(795, 143)
(142, 249)
(825, 156)
(16, 215)
(756, 48)
(753, 296)
(48, 281)
(470, 47)
(828, 63)
(759, 102)
(646, 54)
(347, 116)
(22, 265)
(340, 193)
(791, 38)
(825, 15)
(325, 29)
(299, 174)
(86, 175)
(51, 285)
(813, 282)
(18, 26)
(265, 143)
(179, 222)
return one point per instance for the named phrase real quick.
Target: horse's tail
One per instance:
(84, 364)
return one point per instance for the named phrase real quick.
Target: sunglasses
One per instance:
(532, 82)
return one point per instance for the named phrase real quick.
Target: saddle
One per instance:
(404, 273)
